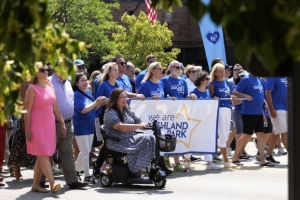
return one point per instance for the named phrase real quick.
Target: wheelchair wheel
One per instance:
(106, 180)
(160, 183)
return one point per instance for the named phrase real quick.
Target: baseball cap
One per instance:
(79, 62)
(243, 73)
(227, 66)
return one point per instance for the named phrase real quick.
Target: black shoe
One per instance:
(195, 159)
(77, 185)
(44, 185)
(89, 179)
(271, 159)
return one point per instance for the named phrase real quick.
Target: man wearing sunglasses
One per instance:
(123, 79)
(149, 59)
(80, 66)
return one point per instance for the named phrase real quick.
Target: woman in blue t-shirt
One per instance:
(219, 88)
(83, 121)
(201, 83)
(151, 85)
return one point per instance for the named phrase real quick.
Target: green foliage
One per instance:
(28, 37)
(267, 30)
(90, 21)
(142, 38)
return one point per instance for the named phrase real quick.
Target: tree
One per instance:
(28, 37)
(90, 21)
(142, 38)
(265, 33)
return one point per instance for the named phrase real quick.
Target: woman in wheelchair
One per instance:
(120, 121)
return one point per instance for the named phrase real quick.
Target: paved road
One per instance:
(247, 182)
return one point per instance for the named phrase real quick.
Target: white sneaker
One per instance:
(187, 164)
(229, 165)
(281, 151)
(228, 151)
(213, 166)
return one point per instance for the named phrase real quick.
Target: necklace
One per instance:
(41, 85)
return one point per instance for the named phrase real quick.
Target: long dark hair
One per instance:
(112, 102)
(77, 77)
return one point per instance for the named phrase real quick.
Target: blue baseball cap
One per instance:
(79, 62)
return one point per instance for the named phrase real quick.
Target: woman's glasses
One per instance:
(193, 71)
(207, 79)
(43, 70)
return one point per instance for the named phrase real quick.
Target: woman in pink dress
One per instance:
(40, 131)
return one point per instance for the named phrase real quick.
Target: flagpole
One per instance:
(131, 12)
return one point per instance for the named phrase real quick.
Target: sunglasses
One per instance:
(207, 79)
(194, 71)
(176, 67)
(122, 63)
(80, 67)
(160, 69)
(43, 70)
(236, 70)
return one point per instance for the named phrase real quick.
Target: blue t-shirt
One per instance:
(240, 106)
(251, 86)
(200, 94)
(149, 89)
(125, 83)
(263, 83)
(278, 86)
(95, 86)
(222, 90)
(139, 78)
(105, 89)
(83, 123)
(175, 87)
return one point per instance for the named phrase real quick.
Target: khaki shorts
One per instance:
(280, 122)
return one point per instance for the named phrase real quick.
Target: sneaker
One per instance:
(228, 151)
(167, 161)
(257, 157)
(167, 171)
(89, 179)
(195, 159)
(281, 151)
(216, 158)
(219, 152)
(229, 165)
(56, 171)
(213, 166)
(179, 168)
(187, 164)
(271, 159)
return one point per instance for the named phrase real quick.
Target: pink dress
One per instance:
(42, 122)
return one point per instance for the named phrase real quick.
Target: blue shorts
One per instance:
(237, 117)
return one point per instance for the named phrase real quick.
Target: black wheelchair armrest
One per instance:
(140, 132)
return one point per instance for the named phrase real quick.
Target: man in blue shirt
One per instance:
(123, 79)
(149, 59)
(276, 95)
(251, 89)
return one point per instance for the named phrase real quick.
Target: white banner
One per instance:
(193, 123)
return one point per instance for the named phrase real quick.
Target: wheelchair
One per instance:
(119, 171)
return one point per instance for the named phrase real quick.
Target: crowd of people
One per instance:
(63, 118)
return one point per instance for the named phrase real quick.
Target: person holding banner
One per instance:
(149, 59)
(176, 87)
(201, 83)
(120, 121)
(151, 85)
(220, 89)
(252, 115)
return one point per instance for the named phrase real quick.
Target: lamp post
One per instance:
(131, 12)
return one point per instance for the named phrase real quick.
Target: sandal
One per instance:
(237, 162)
(2, 171)
(267, 164)
(2, 184)
(244, 157)
(96, 170)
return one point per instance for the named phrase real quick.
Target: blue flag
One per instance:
(212, 36)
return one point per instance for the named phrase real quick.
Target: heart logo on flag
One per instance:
(213, 37)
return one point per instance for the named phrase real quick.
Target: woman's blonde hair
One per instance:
(215, 68)
(150, 68)
(34, 79)
(107, 69)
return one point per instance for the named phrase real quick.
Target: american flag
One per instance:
(151, 13)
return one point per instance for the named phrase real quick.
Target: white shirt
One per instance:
(191, 86)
